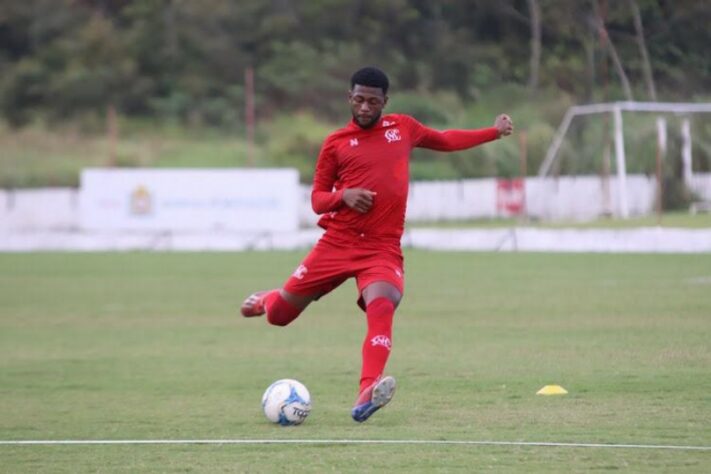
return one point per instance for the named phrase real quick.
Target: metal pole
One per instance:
(249, 112)
(686, 151)
(621, 164)
(523, 171)
(661, 153)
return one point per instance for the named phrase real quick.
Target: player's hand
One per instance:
(504, 125)
(359, 199)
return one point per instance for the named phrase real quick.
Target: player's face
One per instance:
(367, 104)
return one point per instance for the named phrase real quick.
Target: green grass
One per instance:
(35, 156)
(148, 346)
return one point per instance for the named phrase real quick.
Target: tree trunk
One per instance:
(646, 65)
(112, 133)
(590, 71)
(535, 11)
(600, 25)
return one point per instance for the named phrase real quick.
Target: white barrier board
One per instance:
(190, 200)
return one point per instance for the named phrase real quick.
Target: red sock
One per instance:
(279, 311)
(377, 343)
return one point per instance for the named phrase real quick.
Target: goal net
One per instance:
(618, 138)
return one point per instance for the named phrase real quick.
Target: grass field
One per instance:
(149, 346)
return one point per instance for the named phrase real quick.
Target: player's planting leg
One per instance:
(375, 392)
(378, 340)
(373, 398)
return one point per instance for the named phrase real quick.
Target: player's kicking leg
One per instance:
(254, 304)
(280, 306)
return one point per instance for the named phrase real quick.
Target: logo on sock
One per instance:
(381, 340)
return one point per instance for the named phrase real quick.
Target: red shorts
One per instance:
(329, 264)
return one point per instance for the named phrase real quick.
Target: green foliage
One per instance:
(186, 60)
(675, 195)
(434, 109)
(539, 137)
(454, 64)
(37, 156)
(294, 141)
(432, 169)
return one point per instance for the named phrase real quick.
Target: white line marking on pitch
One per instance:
(348, 441)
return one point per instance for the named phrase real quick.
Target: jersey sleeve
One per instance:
(323, 198)
(449, 140)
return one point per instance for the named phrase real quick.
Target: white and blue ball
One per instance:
(286, 402)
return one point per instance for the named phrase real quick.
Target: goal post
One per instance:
(616, 109)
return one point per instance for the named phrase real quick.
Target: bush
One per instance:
(294, 141)
(434, 110)
(675, 195)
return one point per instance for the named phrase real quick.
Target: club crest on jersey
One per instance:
(354, 142)
(393, 135)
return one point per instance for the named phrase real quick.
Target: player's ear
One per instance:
(385, 101)
(350, 95)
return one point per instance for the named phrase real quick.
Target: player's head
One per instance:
(368, 95)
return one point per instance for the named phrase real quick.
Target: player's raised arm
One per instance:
(453, 140)
(504, 125)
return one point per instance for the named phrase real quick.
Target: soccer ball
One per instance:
(286, 402)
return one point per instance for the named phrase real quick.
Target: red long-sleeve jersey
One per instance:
(377, 159)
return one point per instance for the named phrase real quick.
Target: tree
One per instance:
(535, 12)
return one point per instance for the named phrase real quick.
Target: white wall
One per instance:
(568, 198)
(584, 197)
(452, 200)
(39, 209)
(190, 200)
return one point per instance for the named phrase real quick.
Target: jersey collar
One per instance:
(384, 121)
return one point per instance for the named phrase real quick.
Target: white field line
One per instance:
(348, 441)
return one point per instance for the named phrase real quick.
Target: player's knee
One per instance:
(276, 320)
(381, 306)
(279, 319)
(280, 312)
(381, 290)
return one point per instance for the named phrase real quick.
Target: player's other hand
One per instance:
(359, 199)
(504, 125)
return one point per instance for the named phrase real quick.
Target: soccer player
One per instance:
(360, 189)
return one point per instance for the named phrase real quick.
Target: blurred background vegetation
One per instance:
(168, 76)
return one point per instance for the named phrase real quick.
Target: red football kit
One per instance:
(367, 245)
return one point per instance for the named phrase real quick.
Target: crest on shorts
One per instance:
(300, 271)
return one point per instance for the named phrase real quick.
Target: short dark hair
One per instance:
(370, 77)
